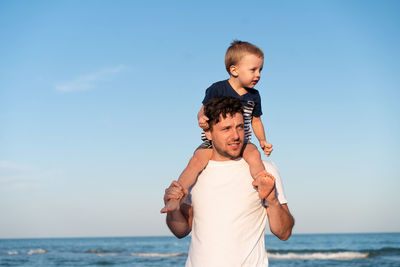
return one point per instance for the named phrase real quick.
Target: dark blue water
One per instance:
(299, 250)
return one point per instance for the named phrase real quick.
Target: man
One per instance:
(223, 209)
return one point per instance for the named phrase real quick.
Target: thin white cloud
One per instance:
(14, 175)
(89, 81)
(9, 170)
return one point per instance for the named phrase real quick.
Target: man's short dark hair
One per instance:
(221, 106)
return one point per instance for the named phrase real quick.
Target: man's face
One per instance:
(227, 137)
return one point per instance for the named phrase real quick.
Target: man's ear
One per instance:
(208, 134)
(233, 70)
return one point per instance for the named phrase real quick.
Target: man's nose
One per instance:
(235, 134)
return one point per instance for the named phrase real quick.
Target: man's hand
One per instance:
(179, 220)
(265, 184)
(203, 122)
(267, 147)
(175, 191)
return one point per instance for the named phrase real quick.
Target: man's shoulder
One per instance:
(270, 164)
(270, 167)
(273, 169)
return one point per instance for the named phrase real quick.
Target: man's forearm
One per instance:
(178, 224)
(280, 220)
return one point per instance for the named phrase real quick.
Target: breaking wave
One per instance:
(158, 255)
(347, 255)
(36, 251)
(101, 251)
(332, 254)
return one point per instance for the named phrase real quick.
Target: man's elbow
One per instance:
(180, 235)
(285, 232)
(285, 236)
(179, 232)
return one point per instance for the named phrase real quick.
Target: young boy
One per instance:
(244, 62)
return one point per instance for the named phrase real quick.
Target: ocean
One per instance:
(381, 249)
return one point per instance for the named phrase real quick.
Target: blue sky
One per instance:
(98, 103)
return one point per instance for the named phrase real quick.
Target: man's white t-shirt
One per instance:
(229, 219)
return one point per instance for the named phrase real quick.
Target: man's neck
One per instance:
(218, 157)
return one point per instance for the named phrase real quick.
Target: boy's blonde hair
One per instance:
(238, 50)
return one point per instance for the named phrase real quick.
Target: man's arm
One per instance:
(179, 221)
(280, 220)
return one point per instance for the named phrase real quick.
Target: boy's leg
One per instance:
(253, 157)
(196, 164)
(257, 169)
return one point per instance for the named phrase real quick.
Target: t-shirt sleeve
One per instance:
(280, 192)
(257, 112)
(188, 199)
(211, 92)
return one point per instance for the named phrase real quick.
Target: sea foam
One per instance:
(101, 251)
(157, 255)
(108, 255)
(348, 255)
(36, 251)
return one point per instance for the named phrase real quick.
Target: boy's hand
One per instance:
(203, 122)
(267, 147)
(175, 191)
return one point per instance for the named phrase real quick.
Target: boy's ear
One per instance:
(208, 134)
(233, 70)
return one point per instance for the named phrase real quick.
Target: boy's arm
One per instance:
(258, 129)
(200, 113)
(202, 119)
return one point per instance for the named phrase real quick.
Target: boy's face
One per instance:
(248, 70)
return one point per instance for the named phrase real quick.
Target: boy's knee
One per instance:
(255, 154)
(200, 157)
(202, 154)
(252, 150)
(251, 147)
(251, 154)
